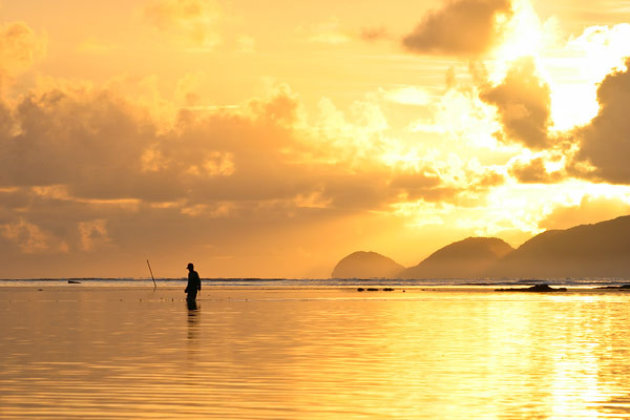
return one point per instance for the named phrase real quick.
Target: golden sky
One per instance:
(267, 139)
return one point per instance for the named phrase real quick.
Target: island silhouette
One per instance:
(593, 250)
(362, 264)
(470, 257)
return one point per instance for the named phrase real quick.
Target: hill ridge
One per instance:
(366, 264)
(599, 249)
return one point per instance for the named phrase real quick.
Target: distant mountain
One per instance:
(366, 265)
(469, 258)
(597, 250)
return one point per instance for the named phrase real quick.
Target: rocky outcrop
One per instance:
(539, 288)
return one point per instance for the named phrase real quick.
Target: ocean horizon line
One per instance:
(332, 282)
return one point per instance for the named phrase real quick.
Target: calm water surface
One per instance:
(304, 353)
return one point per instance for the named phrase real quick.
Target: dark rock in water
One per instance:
(74, 282)
(539, 288)
(374, 289)
(622, 287)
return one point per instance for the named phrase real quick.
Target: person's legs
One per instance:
(191, 304)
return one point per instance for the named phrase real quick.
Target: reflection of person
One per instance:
(194, 283)
(193, 318)
(192, 305)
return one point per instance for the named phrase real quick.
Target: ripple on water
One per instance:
(305, 353)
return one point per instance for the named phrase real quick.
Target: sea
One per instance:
(314, 349)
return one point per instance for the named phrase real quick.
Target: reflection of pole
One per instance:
(152, 278)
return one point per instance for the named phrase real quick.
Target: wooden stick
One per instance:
(152, 278)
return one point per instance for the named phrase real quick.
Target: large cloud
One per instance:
(87, 174)
(523, 101)
(90, 142)
(462, 27)
(101, 147)
(86, 171)
(605, 142)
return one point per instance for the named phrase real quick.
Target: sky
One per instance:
(271, 139)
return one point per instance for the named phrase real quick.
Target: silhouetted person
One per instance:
(194, 284)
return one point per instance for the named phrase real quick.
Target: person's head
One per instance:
(190, 266)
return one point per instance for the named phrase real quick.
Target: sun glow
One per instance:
(525, 35)
(573, 67)
(572, 105)
(194, 119)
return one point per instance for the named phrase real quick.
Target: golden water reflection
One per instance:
(313, 353)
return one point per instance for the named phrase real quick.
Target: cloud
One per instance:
(373, 34)
(589, 210)
(192, 21)
(30, 238)
(88, 141)
(93, 234)
(281, 107)
(20, 48)
(535, 172)
(328, 32)
(462, 27)
(88, 171)
(523, 102)
(414, 186)
(73, 160)
(604, 143)
(489, 179)
(408, 95)
(100, 146)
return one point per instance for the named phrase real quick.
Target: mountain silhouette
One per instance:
(469, 258)
(365, 265)
(595, 250)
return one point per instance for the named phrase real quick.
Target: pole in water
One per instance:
(152, 278)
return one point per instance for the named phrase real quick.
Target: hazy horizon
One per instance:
(268, 140)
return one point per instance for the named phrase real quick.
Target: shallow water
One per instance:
(298, 352)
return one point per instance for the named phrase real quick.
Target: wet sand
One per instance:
(287, 353)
